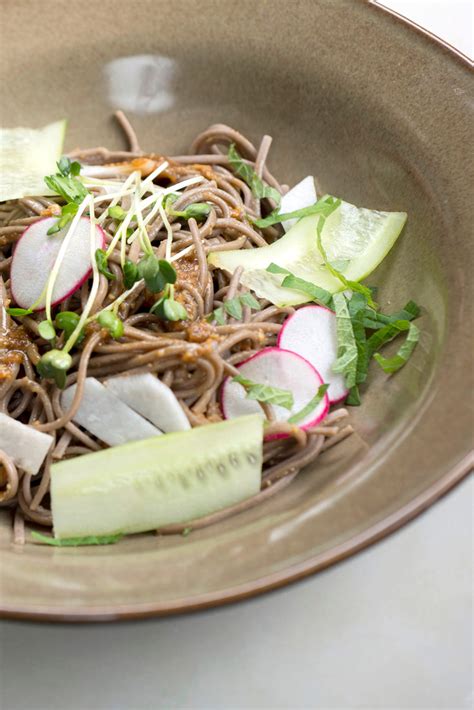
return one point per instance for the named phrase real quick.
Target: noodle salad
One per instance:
(179, 336)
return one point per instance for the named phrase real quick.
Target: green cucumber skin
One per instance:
(168, 479)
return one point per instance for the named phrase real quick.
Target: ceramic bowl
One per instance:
(380, 112)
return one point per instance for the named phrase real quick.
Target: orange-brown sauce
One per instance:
(13, 344)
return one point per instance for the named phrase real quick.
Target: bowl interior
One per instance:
(379, 115)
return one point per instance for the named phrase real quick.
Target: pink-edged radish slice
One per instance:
(36, 253)
(277, 368)
(311, 333)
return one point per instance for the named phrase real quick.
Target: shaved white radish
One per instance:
(311, 332)
(105, 416)
(277, 368)
(301, 195)
(151, 398)
(36, 253)
(26, 446)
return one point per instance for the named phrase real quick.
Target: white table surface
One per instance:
(388, 628)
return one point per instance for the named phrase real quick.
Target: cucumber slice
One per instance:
(147, 484)
(26, 156)
(356, 240)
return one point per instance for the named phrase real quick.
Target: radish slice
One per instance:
(106, 416)
(36, 253)
(311, 332)
(278, 368)
(301, 195)
(27, 446)
(151, 398)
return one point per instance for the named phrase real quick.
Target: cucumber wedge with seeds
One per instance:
(355, 239)
(148, 484)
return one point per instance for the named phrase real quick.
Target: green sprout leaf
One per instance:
(68, 212)
(265, 393)
(198, 211)
(18, 312)
(46, 330)
(169, 309)
(130, 274)
(67, 321)
(157, 273)
(111, 322)
(116, 212)
(54, 365)
(101, 260)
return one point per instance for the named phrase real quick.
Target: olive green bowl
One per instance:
(380, 112)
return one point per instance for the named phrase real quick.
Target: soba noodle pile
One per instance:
(192, 357)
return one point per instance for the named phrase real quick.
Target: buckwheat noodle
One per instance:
(192, 357)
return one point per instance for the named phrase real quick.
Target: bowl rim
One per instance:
(316, 563)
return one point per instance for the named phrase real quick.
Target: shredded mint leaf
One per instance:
(357, 306)
(18, 311)
(219, 316)
(248, 174)
(353, 398)
(234, 308)
(290, 281)
(275, 269)
(386, 334)
(347, 354)
(247, 299)
(318, 294)
(186, 532)
(265, 393)
(312, 404)
(102, 264)
(392, 364)
(274, 217)
(70, 188)
(77, 541)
